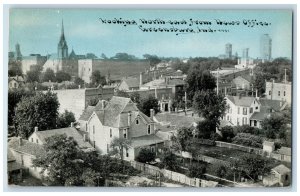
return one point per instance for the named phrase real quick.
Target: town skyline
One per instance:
(98, 38)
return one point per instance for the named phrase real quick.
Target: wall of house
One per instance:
(85, 69)
(140, 129)
(235, 117)
(13, 84)
(34, 139)
(27, 163)
(279, 91)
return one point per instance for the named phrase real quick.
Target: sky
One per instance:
(38, 31)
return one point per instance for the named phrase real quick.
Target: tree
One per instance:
(15, 68)
(14, 97)
(91, 56)
(135, 97)
(49, 75)
(120, 144)
(97, 79)
(40, 110)
(148, 103)
(145, 155)
(103, 56)
(254, 165)
(93, 101)
(123, 56)
(33, 76)
(219, 170)
(180, 140)
(78, 81)
(170, 162)
(61, 162)
(65, 119)
(274, 126)
(205, 129)
(62, 76)
(199, 79)
(227, 133)
(197, 170)
(209, 105)
(154, 60)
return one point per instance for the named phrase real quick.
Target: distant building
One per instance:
(120, 118)
(129, 84)
(228, 51)
(33, 60)
(279, 91)
(265, 47)
(280, 176)
(76, 100)
(245, 61)
(15, 82)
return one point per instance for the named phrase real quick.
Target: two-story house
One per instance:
(240, 109)
(120, 118)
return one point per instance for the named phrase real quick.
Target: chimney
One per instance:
(36, 129)
(72, 124)
(103, 104)
(141, 78)
(151, 113)
(84, 137)
(129, 118)
(20, 141)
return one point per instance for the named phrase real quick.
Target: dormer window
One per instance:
(149, 129)
(137, 121)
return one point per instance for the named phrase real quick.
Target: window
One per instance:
(244, 111)
(110, 133)
(86, 128)
(255, 123)
(269, 92)
(238, 121)
(238, 110)
(137, 121)
(227, 118)
(149, 129)
(278, 93)
(244, 121)
(251, 110)
(127, 154)
(37, 141)
(256, 107)
(94, 144)
(107, 148)
(15, 85)
(283, 93)
(93, 129)
(31, 139)
(22, 160)
(125, 133)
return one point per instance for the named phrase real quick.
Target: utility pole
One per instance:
(285, 75)
(217, 81)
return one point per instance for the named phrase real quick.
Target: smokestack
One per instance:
(84, 137)
(20, 141)
(129, 118)
(151, 114)
(36, 129)
(72, 124)
(141, 78)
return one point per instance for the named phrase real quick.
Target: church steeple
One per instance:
(62, 48)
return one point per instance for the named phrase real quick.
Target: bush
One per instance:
(145, 155)
(248, 129)
(197, 170)
(227, 133)
(247, 139)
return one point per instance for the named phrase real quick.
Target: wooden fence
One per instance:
(177, 177)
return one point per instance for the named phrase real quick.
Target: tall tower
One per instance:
(62, 48)
(18, 52)
(265, 47)
(228, 50)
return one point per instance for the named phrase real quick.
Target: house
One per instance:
(266, 108)
(279, 91)
(14, 169)
(268, 147)
(240, 109)
(280, 176)
(120, 118)
(285, 154)
(23, 152)
(15, 82)
(129, 84)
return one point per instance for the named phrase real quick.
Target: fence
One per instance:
(239, 147)
(177, 177)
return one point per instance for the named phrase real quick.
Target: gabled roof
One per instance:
(89, 111)
(131, 82)
(145, 140)
(281, 169)
(276, 105)
(268, 143)
(241, 101)
(16, 78)
(115, 113)
(26, 147)
(69, 131)
(240, 79)
(258, 116)
(162, 82)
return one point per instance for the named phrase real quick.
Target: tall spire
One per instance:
(62, 26)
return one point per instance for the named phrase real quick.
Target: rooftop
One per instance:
(145, 140)
(176, 120)
(241, 101)
(132, 82)
(26, 147)
(285, 151)
(281, 169)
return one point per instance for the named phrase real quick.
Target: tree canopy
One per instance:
(145, 155)
(49, 76)
(40, 110)
(65, 119)
(62, 76)
(97, 79)
(148, 103)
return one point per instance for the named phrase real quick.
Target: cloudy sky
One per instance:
(38, 31)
